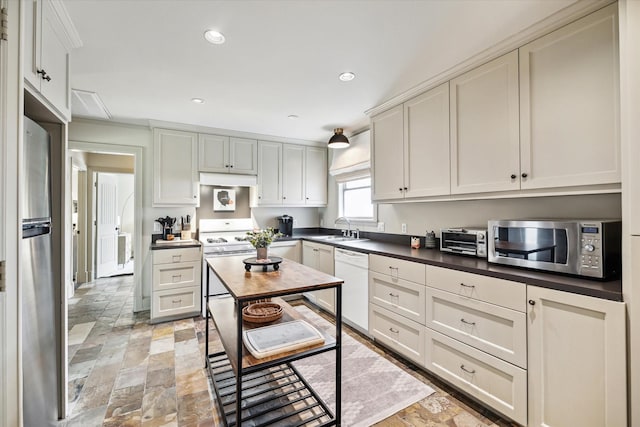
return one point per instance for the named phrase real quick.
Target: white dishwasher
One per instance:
(353, 268)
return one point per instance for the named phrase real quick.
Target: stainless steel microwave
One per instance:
(590, 248)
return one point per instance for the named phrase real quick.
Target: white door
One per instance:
(106, 224)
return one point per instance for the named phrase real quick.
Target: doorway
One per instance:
(104, 215)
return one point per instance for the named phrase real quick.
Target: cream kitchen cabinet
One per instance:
(397, 305)
(569, 105)
(175, 168)
(485, 146)
(176, 290)
(47, 48)
(320, 257)
(289, 249)
(269, 173)
(315, 176)
(577, 359)
(226, 154)
(476, 337)
(421, 127)
(291, 175)
(293, 184)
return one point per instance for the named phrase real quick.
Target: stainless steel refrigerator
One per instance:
(40, 299)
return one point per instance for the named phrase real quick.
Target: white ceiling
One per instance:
(147, 58)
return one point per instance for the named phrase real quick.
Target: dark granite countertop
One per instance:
(178, 244)
(611, 290)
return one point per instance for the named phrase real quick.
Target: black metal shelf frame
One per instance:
(252, 395)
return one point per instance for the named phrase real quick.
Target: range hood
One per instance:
(228, 179)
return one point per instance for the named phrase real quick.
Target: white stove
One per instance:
(222, 237)
(225, 236)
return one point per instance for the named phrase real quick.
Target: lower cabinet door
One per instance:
(173, 302)
(402, 335)
(498, 384)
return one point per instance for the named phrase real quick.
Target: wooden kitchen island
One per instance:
(269, 390)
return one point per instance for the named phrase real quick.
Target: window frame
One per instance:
(341, 192)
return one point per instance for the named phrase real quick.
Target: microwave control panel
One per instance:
(591, 252)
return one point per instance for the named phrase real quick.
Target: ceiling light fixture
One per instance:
(214, 37)
(197, 100)
(347, 76)
(292, 117)
(338, 140)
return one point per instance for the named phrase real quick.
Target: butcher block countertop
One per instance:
(290, 278)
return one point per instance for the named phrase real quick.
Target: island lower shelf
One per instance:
(273, 392)
(224, 313)
(277, 395)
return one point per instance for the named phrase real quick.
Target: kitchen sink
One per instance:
(334, 238)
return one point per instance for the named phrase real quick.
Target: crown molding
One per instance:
(563, 17)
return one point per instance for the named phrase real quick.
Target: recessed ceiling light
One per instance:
(214, 37)
(197, 100)
(347, 76)
(292, 117)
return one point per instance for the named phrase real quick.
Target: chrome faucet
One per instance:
(347, 232)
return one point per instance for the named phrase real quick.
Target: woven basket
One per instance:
(262, 312)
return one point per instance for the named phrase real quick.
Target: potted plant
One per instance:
(261, 239)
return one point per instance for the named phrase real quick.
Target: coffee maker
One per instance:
(285, 225)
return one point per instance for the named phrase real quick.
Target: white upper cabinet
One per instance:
(269, 173)
(484, 128)
(426, 144)
(387, 154)
(291, 175)
(228, 154)
(46, 53)
(175, 168)
(315, 176)
(411, 148)
(569, 104)
(213, 153)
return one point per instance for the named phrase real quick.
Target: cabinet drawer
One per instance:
(397, 295)
(497, 330)
(176, 301)
(398, 333)
(171, 276)
(501, 292)
(398, 268)
(496, 383)
(168, 256)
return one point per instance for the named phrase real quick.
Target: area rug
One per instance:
(372, 387)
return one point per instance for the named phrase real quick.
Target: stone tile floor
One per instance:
(124, 371)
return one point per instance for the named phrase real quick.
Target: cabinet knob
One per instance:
(524, 175)
(195, 197)
(400, 189)
(307, 198)
(532, 302)
(513, 176)
(405, 188)
(284, 198)
(230, 166)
